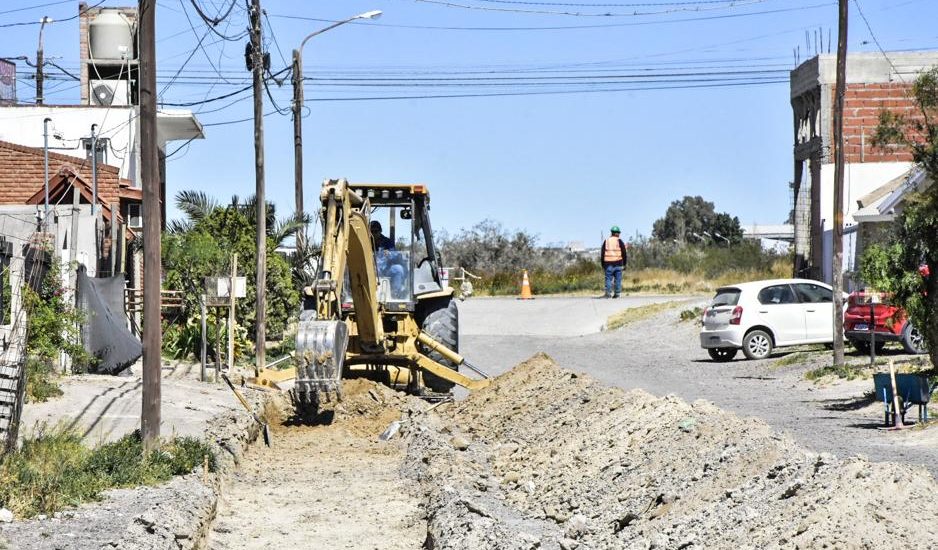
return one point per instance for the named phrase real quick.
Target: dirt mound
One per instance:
(548, 458)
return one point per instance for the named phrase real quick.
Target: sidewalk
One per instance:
(105, 408)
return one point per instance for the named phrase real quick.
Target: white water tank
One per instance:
(111, 36)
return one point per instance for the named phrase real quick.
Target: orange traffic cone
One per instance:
(525, 288)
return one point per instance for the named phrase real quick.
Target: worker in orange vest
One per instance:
(613, 258)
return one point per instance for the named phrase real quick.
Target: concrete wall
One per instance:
(859, 179)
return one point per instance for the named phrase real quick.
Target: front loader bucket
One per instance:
(320, 356)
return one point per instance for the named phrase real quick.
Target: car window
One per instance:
(726, 297)
(776, 294)
(813, 294)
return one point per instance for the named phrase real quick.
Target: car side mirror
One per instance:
(406, 214)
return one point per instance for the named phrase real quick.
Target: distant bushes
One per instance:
(500, 256)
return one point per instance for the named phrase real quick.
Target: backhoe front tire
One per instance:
(441, 322)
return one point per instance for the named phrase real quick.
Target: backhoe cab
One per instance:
(377, 307)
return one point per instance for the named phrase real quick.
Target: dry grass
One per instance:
(633, 314)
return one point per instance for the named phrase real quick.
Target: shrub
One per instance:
(53, 469)
(40, 381)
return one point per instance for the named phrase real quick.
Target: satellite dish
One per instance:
(103, 94)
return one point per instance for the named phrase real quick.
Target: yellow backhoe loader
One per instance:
(377, 307)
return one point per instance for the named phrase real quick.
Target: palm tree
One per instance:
(198, 206)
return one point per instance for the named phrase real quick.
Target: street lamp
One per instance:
(40, 61)
(297, 119)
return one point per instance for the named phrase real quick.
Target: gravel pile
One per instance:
(547, 458)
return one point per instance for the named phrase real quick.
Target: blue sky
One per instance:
(564, 166)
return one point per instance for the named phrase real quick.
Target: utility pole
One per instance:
(838, 259)
(94, 169)
(257, 66)
(232, 303)
(40, 61)
(298, 120)
(298, 145)
(150, 174)
(45, 165)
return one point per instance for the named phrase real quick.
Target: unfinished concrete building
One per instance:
(874, 82)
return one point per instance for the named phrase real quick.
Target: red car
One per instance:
(890, 323)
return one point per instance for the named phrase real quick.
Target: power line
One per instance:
(37, 6)
(274, 37)
(605, 5)
(566, 27)
(80, 13)
(876, 41)
(725, 5)
(212, 22)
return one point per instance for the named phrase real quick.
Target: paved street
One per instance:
(662, 355)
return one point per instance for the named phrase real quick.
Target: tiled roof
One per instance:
(21, 174)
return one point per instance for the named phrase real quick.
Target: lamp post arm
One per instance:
(329, 28)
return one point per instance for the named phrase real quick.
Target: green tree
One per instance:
(201, 245)
(692, 219)
(894, 266)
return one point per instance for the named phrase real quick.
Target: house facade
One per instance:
(874, 83)
(96, 212)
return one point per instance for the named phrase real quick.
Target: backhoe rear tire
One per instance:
(441, 322)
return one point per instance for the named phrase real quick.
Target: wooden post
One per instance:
(122, 248)
(257, 55)
(113, 253)
(231, 309)
(150, 176)
(204, 354)
(897, 412)
(838, 259)
(217, 341)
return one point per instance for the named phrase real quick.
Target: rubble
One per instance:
(558, 460)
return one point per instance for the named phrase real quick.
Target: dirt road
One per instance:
(549, 458)
(325, 486)
(662, 356)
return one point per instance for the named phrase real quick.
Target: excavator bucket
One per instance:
(320, 356)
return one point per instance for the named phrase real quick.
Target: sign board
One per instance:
(217, 291)
(7, 81)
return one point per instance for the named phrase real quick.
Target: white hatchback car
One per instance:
(762, 315)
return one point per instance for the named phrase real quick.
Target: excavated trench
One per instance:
(548, 458)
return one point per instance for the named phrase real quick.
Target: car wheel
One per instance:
(757, 344)
(722, 355)
(912, 340)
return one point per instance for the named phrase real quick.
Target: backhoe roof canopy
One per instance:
(390, 193)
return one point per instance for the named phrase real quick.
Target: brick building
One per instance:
(874, 83)
(71, 184)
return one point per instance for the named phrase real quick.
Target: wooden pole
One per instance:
(231, 309)
(113, 252)
(204, 350)
(260, 340)
(298, 144)
(122, 248)
(73, 258)
(217, 341)
(838, 259)
(150, 176)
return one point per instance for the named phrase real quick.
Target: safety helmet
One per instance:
(615, 229)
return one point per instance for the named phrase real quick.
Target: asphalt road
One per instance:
(663, 356)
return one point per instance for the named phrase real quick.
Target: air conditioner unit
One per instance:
(109, 92)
